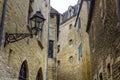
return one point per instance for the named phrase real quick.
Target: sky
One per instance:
(62, 5)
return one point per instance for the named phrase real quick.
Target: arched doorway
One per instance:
(23, 74)
(39, 75)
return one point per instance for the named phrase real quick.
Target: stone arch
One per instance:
(39, 75)
(23, 73)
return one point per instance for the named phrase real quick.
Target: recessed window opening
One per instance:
(100, 76)
(71, 59)
(58, 62)
(70, 42)
(108, 70)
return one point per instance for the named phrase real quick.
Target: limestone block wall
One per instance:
(14, 54)
(67, 69)
(83, 38)
(104, 41)
(75, 69)
(53, 36)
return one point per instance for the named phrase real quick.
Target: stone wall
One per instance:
(67, 70)
(14, 54)
(104, 41)
(69, 66)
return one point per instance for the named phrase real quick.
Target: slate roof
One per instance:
(65, 14)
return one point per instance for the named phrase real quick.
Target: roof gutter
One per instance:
(79, 12)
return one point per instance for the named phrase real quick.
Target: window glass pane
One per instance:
(80, 51)
(50, 54)
(78, 25)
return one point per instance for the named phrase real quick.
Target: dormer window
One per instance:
(70, 12)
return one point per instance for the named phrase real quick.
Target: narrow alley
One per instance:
(40, 42)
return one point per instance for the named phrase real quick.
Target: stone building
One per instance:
(73, 44)
(104, 32)
(82, 41)
(23, 53)
(53, 38)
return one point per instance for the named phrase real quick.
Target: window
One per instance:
(118, 9)
(70, 12)
(70, 42)
(70, 26)
(78, 24)
(39, 75)
(23, 71)
(71, 59)
(58, 48)
(58, 62)
(79, 52)
(50, 53)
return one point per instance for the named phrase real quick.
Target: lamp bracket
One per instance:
(14, 37)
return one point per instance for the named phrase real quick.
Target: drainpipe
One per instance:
(3, 20)
(46, 74)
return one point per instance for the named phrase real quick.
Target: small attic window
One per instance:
(70, 12)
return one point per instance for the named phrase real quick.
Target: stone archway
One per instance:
(23, 74)
(39, 75)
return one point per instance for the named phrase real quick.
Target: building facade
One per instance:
(53, 38)
(73, 45)
(82, 41)
(23, 53)
(104, 32)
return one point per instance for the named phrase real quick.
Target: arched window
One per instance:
(23, 71)
(39, 75)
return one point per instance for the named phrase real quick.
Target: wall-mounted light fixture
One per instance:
(37, 19)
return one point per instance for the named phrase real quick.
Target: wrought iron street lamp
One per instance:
(38, 20)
